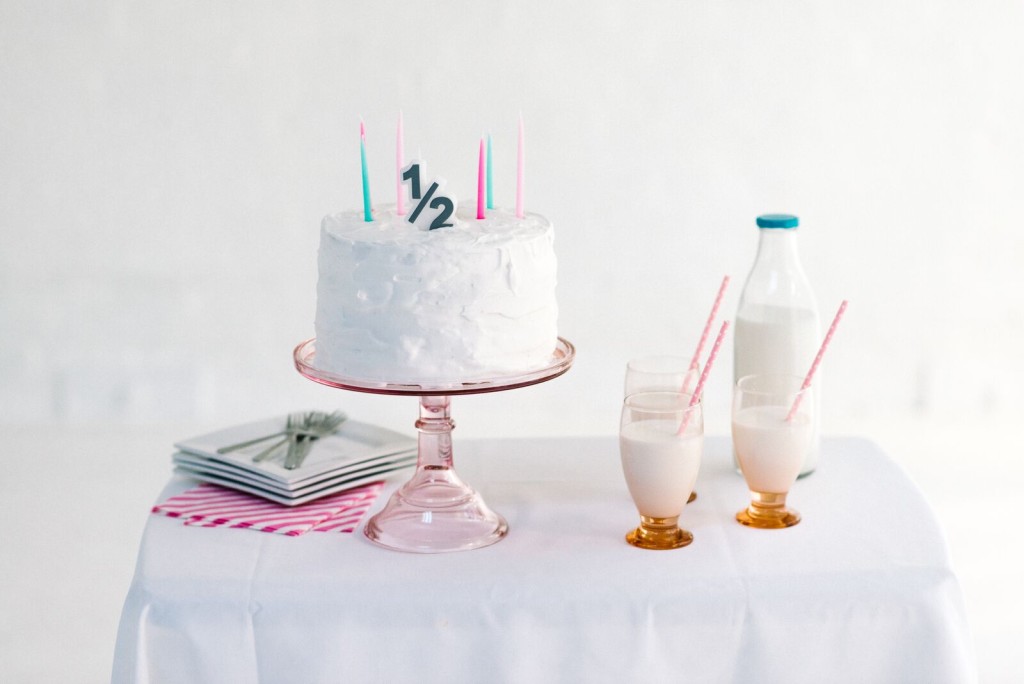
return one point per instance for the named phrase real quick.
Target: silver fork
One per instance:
(319, 424)
(291, 424)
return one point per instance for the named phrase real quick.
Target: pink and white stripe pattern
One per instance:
(208, 505)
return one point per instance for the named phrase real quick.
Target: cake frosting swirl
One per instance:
(403, 305)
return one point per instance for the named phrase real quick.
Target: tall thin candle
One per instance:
(490, 175)
(367, 213)
(480, 190)
(399, 163)
(520, 170)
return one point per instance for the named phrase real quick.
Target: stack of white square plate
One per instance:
(355, 454)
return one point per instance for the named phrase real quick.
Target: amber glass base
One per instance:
(659, 533)
(768, 511)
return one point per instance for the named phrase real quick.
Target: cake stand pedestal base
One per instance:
(435, 511)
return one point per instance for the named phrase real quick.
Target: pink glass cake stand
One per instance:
(435, 511)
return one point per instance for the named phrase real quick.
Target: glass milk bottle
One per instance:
(777, 326)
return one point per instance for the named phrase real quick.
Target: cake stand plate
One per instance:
(435, 511)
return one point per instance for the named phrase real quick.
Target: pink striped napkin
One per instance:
(208, 505)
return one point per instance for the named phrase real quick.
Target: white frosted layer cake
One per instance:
(399, 304)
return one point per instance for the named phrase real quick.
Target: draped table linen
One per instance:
(862, 590)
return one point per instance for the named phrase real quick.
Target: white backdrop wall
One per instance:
(164, 168)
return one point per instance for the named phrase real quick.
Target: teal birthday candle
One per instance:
(367, 213)
(490, 177)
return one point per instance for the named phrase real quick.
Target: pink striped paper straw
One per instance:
(520, 170)
(399, 163)
(704, 376)
(817, 360)
(481, 188)
(695, 361)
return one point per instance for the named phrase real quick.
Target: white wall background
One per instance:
(164, 168)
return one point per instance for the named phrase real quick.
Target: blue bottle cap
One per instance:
(777, 221)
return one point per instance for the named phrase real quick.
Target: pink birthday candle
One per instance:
(697, 393)
(520, 170)
(481, 189)
(817, 360)
(399, 163)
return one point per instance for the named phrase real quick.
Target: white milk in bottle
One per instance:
(778, 330)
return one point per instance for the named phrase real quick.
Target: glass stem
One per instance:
(435, 482)
(435, 426)
(767, 505)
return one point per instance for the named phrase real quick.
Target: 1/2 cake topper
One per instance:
(443, 204)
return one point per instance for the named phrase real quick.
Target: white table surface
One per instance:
(860, 591)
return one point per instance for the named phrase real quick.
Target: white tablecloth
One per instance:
(860, 591)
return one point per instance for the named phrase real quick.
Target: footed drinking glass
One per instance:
(771, 439)
(660, 442)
